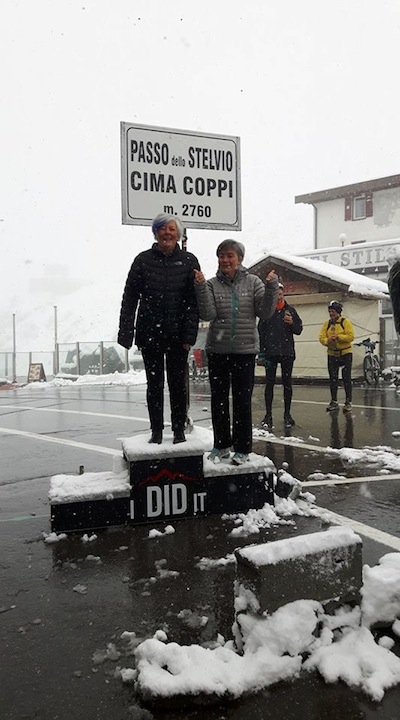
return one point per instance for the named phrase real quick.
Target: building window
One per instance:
(358, 207)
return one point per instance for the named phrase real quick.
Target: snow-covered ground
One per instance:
(299, 636)
(134, 377)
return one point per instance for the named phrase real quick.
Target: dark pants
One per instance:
(176, 362)
(334, 363)
(271, 365)
(236, 371)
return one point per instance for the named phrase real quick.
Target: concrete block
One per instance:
(324, 566)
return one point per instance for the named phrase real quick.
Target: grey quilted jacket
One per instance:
(232, 306)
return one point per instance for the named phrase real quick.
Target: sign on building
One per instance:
(365, 257)
(195, 176)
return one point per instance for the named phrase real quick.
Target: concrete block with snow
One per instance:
(324, 566)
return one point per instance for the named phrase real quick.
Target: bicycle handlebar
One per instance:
(368, 343)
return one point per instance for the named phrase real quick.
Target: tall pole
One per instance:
(188, 421)
(184, 239)
(55, 363)
(14, 355)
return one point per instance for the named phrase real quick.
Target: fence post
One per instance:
(78, 360)
(56, 359)
(14, 353)
(101, 357)
(126, 360)
(55, 353)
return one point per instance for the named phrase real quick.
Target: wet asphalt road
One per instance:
(49, 632)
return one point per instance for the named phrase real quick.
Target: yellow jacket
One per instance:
(344, 331)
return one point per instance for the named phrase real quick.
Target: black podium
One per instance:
(161, 483)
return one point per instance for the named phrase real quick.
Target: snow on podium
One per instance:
(160, 483)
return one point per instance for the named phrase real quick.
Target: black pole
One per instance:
(189, 421)
(184, 240)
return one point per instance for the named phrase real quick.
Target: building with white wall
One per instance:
(357, 227)
(367, 211)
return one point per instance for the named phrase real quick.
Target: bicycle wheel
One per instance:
(377, 369)
(369, 371)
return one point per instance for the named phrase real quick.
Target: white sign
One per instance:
(192, 175)
(358, 256)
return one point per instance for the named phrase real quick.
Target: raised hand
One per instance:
(199, 277)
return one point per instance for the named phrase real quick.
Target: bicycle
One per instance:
(371, 364)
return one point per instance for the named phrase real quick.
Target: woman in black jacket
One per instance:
(159, 291)
(277, 347)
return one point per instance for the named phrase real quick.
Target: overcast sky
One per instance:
(310, 88)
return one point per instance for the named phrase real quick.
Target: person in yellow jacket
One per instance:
(337, 334)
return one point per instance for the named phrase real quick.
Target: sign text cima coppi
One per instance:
(195, 176)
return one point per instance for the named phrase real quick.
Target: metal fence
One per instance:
(71, 359)
(101, 358)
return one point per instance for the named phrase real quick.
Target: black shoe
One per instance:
(267, 423)
(179, 436)
(288, 420)
(156, 437)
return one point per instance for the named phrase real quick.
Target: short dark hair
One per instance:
(238, 247)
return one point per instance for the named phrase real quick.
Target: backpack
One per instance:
(342, 319)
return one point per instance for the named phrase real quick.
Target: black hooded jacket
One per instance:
(162, 286)
(276, 336)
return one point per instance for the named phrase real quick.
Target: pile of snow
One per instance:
(133, 377)
(299, 636)
(382, 456)
(273, 650)
(94, 486)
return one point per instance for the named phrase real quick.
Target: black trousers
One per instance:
(236, 371)
(176, 361)
(334, 363)
(286, 364)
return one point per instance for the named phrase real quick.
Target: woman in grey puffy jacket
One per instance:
(231, 301)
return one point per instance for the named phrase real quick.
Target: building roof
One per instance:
(359, 188)
(345, 280)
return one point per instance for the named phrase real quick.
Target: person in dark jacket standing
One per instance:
(277, 348)
(232, 301)
(159, 291)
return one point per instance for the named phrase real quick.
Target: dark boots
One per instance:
(288, 420)
(179, 437)
(156, 437)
